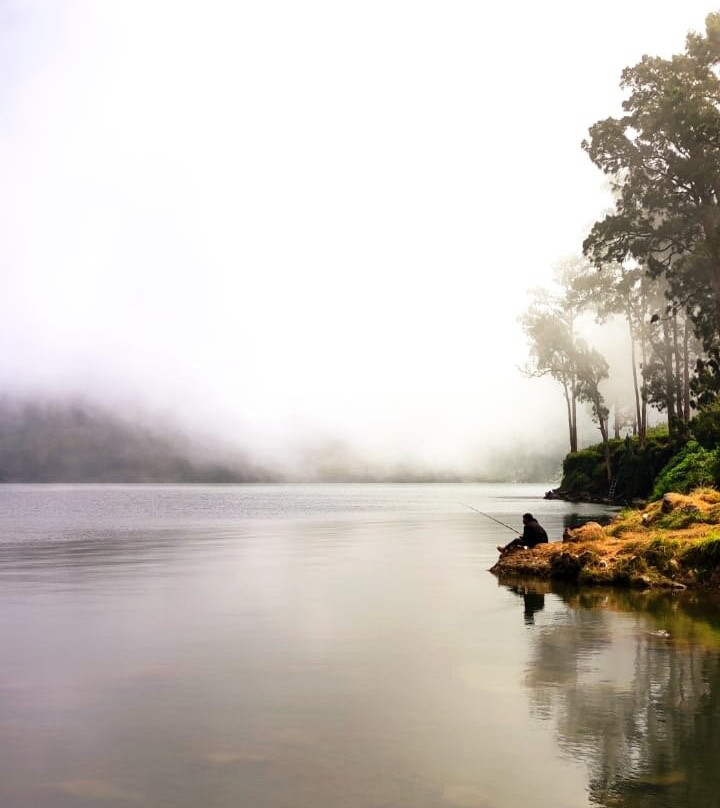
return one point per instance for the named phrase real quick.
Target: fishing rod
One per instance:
(487, 515)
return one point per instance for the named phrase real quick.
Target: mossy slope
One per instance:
(674, 543)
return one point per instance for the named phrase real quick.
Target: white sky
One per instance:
(297, 219)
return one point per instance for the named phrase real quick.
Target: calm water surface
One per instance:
(330, 647)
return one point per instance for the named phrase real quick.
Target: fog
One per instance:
(305, 230)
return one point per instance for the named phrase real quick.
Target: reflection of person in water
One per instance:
(533, 602)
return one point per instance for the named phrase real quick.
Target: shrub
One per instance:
(584, 471)
(682, 517)
(706, 427)
(704, 554)
(628, 520)
(660, 552)
(692, 467)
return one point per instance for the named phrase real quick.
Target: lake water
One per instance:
(334, 646)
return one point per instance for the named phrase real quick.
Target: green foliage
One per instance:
(637, 468)
(584, 474)
(692, 467)
(556, 350)
(660, 552)
(551, 339)
(664, 165)
(704, 554)
(681, 518)
(706, 427)
(592, 369)
(629, 519)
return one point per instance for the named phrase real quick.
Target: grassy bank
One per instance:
(672, 543)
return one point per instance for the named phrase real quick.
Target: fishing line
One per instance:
(487, 515)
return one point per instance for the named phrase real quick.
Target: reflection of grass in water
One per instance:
(537, 586)
(636, 790)
(646, 725)
(689, 617)
(661, 779)
(650, 784)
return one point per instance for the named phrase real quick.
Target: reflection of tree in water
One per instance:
(641, 708)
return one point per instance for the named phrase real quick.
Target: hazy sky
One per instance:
(303, 219)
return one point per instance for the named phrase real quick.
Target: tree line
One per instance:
(653, 260)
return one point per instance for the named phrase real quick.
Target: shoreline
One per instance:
(569, 496)
(672, 544)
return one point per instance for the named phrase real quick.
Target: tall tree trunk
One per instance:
(669, 385)
(638, 417)
(686, 371)
(573, 390)
(642, 420)
(606, 445)
(571, 425)
(642, 424)
(677, 376)
(573, 404)
(710, 239)
(616, 421)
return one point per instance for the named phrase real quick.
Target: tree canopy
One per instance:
(652, 264)
(663, 159)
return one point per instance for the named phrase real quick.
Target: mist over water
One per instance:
(297, 228)
(73, 440)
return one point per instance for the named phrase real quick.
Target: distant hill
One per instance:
(80, 442)
(64, 441)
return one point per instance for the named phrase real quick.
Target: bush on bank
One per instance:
(636, 469)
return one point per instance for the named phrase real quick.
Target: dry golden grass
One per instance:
(672, 542)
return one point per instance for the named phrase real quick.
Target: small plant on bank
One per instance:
(684, 517)
(705, 553)
(628, 520)
(660, 552)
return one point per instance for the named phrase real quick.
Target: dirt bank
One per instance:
(672, 543)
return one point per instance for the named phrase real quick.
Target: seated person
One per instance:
(533, 534)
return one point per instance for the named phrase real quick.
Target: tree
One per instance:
(549, 326)
(674, 353)
(592, 369)
(621, 289)
(555, 350)
(663, 158)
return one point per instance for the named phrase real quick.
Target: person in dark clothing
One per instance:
(533, 534)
